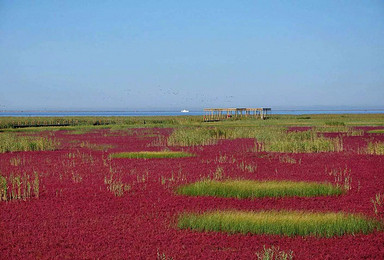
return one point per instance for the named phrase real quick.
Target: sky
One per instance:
(172, 55)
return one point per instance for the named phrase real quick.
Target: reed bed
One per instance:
(349, 131)
(299, 142)
(192, 137)
(272, 139)
(151, 154)
(11, 142)
(287, 223)
(258, 189)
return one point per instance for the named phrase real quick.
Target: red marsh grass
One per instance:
(151, 154)
(258, 189)
(287, 223)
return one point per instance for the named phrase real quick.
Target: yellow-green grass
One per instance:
(151, 154)
(349, 131)
(375, 148)
(272, 139)
(258, 189)
(298, 142)
(11, 142)
(17, 186)
(287, 223)
(274, 253)
(192, 136)
(317, 145)
(8, 123)
(376, 131)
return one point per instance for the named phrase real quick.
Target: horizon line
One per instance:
(158, 111)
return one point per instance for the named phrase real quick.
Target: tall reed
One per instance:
(19, 187)
(274, 139)
(375, 148)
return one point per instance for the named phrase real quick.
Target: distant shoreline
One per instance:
(166, 111)
(79, 113)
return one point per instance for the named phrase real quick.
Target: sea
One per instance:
(171, 113)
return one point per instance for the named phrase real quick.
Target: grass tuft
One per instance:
(378, 204)
(287, 223)
(150, 155)
(258, 189)
(19, 187)
(115, 184)
(288, 159)
(375, 148)
(274, 253)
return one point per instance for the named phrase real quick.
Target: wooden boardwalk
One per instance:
(216, 114)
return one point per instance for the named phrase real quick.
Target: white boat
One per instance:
(184, 111)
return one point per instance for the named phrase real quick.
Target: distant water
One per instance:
(168, 113)
(308, 112)
(94, 113)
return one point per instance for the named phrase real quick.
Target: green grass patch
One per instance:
(287, 223)
(334, 123)
(258, 189)
(11, 142)
(150, 155)
(376, 131)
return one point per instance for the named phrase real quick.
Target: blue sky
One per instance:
(157, 55)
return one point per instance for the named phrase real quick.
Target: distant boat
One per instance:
(184, 111)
